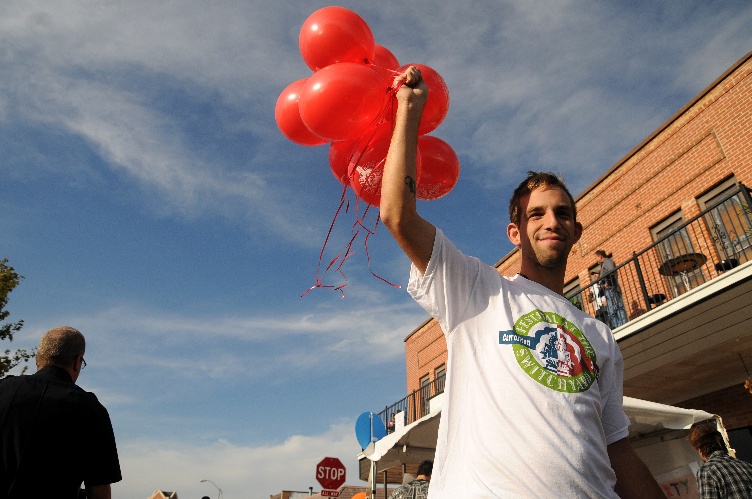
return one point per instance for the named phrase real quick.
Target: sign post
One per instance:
(331, 474)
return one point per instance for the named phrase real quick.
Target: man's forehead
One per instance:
(545, 196)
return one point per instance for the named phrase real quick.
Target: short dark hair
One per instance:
(425, 468)
(706, 439)
(60, 346)
(532, 182)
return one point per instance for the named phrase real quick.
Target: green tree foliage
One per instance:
(9, 279)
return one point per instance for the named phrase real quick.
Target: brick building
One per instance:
(676, 215)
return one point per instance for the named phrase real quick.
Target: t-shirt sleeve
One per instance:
(104, 466)
(615, 420)
(446, 288)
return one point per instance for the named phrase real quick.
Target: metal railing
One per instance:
(690, 254)
(414, 406)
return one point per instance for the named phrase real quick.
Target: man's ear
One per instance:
(513, 233)
(77, 362)
(577, 231)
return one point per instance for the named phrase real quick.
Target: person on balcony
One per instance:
(390, 425)
(534, 386)
(598, 297)
(611, 288)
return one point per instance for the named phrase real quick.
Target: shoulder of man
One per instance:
(715, 463)
(9, 379)
(69, 393)
(399, 493)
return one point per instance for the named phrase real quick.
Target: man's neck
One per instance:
(71, 372)
(552, 279)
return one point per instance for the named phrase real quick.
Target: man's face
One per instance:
(547, 229)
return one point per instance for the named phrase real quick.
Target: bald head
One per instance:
(60, 347)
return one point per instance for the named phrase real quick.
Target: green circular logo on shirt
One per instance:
(552, 351)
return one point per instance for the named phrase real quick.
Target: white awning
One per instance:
(417, 441)
(412, 444)
(648, 418)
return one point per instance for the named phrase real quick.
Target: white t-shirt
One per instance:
(533, 393)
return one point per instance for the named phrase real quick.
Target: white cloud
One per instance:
(93, 70)
(240, 471)
(250, 346)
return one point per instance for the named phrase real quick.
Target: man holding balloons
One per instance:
(533, 396)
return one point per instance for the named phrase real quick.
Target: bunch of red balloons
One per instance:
(348, 102)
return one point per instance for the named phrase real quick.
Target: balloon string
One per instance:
(368, 256)
(317, 278)
(361, 146)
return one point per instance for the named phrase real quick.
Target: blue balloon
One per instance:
(369, 428)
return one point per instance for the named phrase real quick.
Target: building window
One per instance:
(573, 292)
(729, 221)
(741, 441)
(440, 378)
(674, 245)
(425, 394)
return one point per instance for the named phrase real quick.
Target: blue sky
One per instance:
(149, 200)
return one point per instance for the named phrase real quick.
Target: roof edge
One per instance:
(666, 124)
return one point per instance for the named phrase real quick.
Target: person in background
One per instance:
(534, 386)
(720, 476)
(599, 299)
(418, 488)
(54, 434)
(607, 267)
(611, 288)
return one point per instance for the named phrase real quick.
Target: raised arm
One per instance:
(398, 208)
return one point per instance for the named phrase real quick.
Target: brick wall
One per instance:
(706, 142)
(427, 351)
(734, 404)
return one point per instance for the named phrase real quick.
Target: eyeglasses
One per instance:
(83, 362)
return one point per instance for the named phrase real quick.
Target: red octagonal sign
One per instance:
(330, 473)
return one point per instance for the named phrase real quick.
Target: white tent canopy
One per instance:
(414, 443)
(648, 418)
(657, 432)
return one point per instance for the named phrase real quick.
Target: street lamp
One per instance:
(219, 495)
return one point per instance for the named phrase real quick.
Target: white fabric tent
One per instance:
(657, 432)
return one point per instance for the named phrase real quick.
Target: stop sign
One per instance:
(330, 473)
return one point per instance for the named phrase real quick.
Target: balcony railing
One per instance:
(691, 253)
(414, 406)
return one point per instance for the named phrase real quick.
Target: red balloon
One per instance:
(340, 101)
(440, 168)
(437, 104)
(287, 115)
(367, 163)
(384, 58)
(386, 64)
(335, 34)
(340, 154)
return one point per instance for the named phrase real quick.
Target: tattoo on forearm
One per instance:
(410, 182)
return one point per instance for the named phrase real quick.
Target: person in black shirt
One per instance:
(55, 435)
